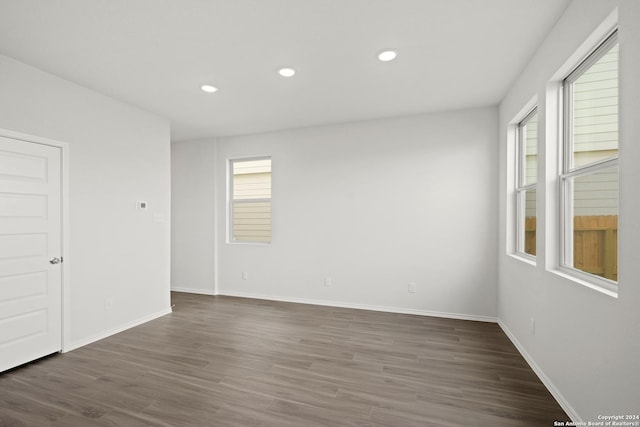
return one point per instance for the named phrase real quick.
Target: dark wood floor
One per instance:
(223, 361)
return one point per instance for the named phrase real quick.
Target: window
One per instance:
(526, 178)
(250, 200)
(589, 176)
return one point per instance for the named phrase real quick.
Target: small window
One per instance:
(250, 200)
(589, 179)
(526, 179)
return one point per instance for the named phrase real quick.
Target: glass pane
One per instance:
(252, 179)
(527, 222)
(595, 111)
(251, 197)
(530, 222)
(252, 221)
(251, 166)
(530, 150)
(594, 200)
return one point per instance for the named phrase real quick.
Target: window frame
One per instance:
(230, 200)
(520, 188)
(569, 172)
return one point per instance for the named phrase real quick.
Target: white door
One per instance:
(30, 251)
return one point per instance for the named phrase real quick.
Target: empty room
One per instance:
(319, 213)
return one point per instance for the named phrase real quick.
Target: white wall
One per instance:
(193, 169)
(373, 205)
(586, 344)
(118, 154)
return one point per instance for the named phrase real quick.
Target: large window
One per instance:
(589, 176)
(250, 200)
(526, 179)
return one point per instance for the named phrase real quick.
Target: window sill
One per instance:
(594, 283)
(249, 243)
(524, 258)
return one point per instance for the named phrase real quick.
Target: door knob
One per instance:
(55, 260)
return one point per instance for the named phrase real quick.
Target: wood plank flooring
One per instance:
(223, 361)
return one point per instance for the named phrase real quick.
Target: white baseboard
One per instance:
(194, 291)
(566, 406)
(81, 343)
(362, 306)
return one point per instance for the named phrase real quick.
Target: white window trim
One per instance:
(511, 182)
(566, 171)
(229, 222)
(520, 190)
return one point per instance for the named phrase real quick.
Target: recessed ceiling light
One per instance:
(387, 55)
(286, 72)
(209, 88)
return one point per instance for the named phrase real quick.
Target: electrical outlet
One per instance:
(532, 325)
(245, 275)
(412, 287)
(328, 282)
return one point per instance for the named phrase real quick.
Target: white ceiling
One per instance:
(155, 54)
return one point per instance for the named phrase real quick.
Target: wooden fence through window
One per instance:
(595, 243)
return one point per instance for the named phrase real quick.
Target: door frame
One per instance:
(64, 206)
